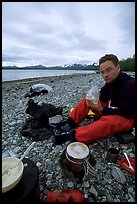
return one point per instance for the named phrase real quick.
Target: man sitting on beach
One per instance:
(115, 108)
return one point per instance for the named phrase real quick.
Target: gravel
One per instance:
(67, 92)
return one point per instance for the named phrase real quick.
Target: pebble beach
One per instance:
(68, 90)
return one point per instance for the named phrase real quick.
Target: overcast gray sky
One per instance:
(59, 33)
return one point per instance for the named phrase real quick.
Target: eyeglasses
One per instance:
(107, 70)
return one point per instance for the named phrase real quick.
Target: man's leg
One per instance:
(103, 128)
(80, 112)
(78, 115)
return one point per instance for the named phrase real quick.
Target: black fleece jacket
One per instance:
(121, 93)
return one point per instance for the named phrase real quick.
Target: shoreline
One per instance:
(23, 74)
(33, 79)
(43, 78)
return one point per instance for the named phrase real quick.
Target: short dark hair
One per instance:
(110, 57)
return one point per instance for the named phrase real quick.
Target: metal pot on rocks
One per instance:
(78, 160)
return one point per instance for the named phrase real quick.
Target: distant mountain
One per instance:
(35, 66)
(70, 67)
(125, 64)
(11, 67)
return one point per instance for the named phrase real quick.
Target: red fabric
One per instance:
(76, 195)
(51, 197)
(100, 129)
(80, 112)
(64, 196)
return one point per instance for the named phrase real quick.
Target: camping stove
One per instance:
(77, 162)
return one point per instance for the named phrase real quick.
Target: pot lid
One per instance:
(78, 150)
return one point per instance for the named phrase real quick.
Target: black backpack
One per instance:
(37, 125)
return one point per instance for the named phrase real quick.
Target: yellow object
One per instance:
(71, 110)
(89, 113)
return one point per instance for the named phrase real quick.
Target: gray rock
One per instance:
(118, 175)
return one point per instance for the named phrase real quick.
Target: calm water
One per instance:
(9, 75)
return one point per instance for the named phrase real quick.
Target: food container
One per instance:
(27, 190)
(12, 176)
(123, 162)
(93, 95)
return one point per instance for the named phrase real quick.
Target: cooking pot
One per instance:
(77, 162)
(12, 176)
(76, 153)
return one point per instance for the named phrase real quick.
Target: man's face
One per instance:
(109, 71)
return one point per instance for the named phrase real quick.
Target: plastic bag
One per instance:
(41, 87)
(93, 94)
(8, 153)
(38, 89)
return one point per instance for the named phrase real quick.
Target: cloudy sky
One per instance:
(60, 33)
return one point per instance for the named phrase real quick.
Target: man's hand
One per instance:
(96, 108)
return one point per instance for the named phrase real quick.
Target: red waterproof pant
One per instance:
(104, 127)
